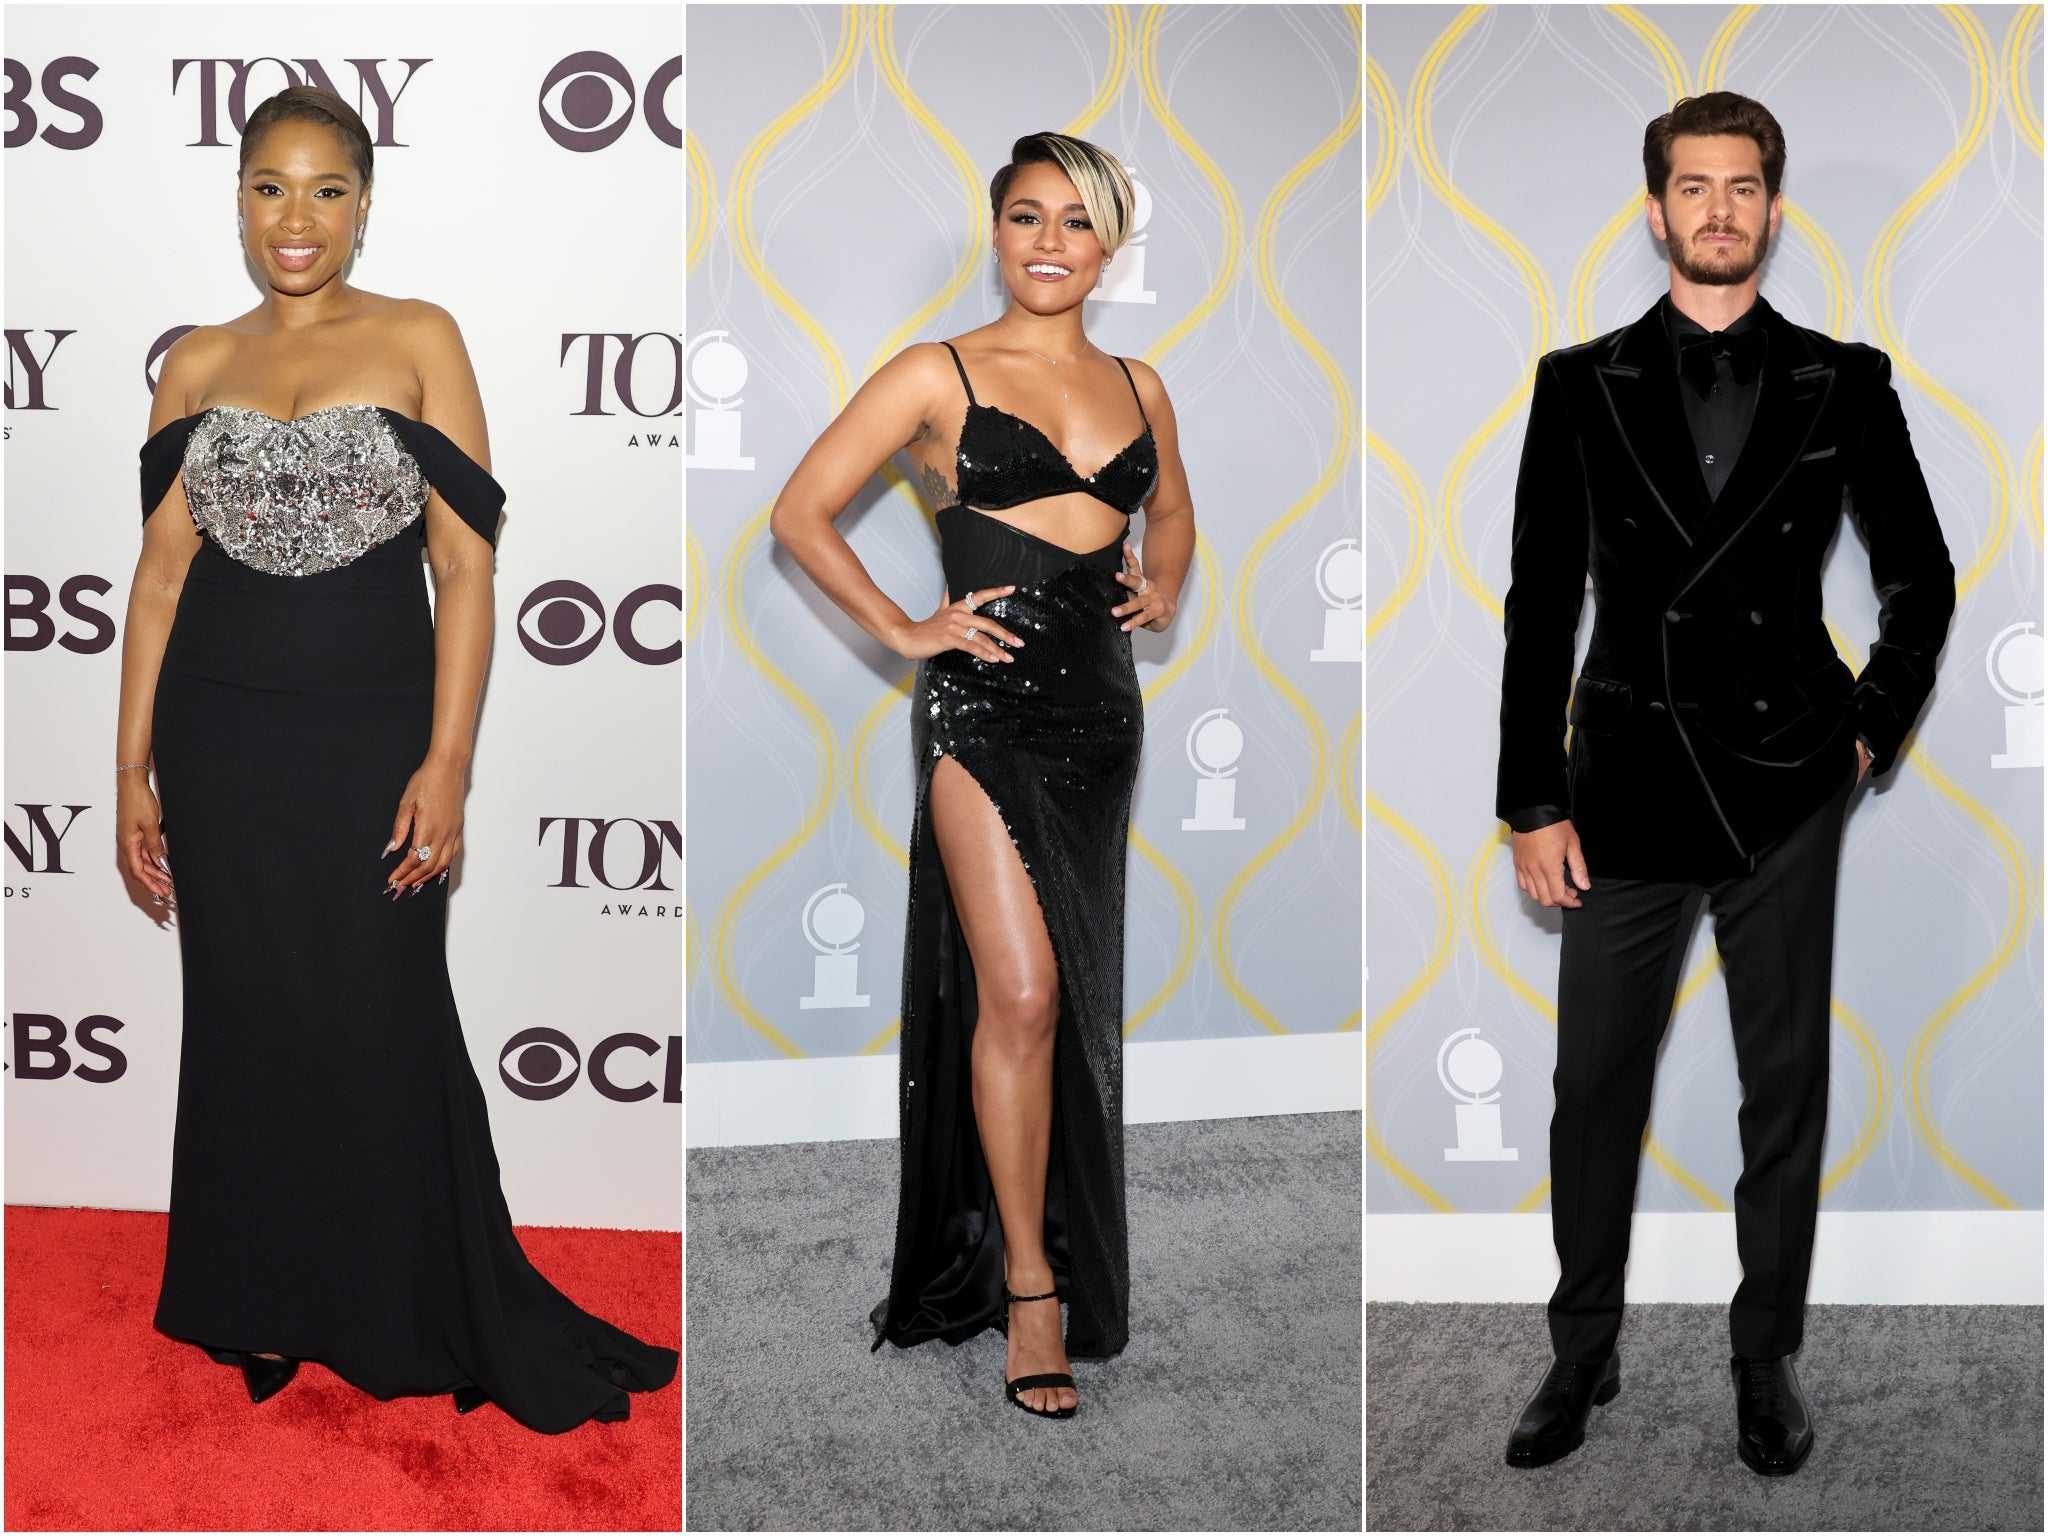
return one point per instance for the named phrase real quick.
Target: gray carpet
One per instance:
(1925, 1419)
(1235, 1406)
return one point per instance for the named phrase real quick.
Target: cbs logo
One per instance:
(40, 1053)
(562, 622)
(586, 102)
(542, 1063)
(55, 74)
(28, 604)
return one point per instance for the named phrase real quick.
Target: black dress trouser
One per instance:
(1623, 952)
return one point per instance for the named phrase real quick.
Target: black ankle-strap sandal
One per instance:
(1043, 1378)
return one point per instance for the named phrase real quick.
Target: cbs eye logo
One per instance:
(562, 622)
(586, 102)
(542, 1063)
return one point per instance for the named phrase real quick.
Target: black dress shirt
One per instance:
(1720, 418)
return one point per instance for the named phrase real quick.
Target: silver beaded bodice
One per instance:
(294, 498)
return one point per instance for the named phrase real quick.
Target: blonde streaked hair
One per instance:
(1104, 185)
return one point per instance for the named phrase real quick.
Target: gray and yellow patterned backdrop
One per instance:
(1504, 218)
(839, 161)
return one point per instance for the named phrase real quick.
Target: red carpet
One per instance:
(110, 1426)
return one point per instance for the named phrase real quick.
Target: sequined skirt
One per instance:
(1053, 739)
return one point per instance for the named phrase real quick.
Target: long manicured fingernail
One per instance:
(391, 845)
(444, 877)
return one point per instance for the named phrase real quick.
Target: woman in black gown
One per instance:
(334, 1193)
(1026, 721)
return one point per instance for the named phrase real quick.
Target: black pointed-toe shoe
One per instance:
(470, 1398)
(1774, 1430)
(1553, 1422)
(266, 1378)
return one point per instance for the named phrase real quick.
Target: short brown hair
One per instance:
(1700, 116)
(309, 104)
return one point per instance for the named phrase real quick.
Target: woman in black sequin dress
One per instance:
(334, 1192)
(1026, 723)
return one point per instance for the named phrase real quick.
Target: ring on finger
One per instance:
(971, 602)
(972, 631)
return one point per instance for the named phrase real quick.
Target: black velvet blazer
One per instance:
(1712, 714)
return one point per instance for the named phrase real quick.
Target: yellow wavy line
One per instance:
(2019, 87)
(1347, 772)
(1422, 146)
(700, 203)
(2020, 901)
(693, 568)
(1878, 1089)
(2034, 486)
(1669, 63)
(740, 201)
(1226, 199)
(1579, 299)
(1721, 44)
(1439, 956)
(728, 914)
(1340, 457)
(745, 246)
(1479, 882)
(1878, 284)
(880, 25)
(1190, 922)
(1114, 73)
(1388, 152)
(1416, 503)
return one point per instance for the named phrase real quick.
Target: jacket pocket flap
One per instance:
(1600, 704)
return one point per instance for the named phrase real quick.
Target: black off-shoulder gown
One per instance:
(334, 1192)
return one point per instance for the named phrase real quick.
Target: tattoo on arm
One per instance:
(936, 488)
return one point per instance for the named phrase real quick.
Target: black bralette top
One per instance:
(1004, 461)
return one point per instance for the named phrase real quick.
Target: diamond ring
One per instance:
(971, 603)
(423, 852)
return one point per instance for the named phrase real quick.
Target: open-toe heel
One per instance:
(266, 1378)
(1043, 1378)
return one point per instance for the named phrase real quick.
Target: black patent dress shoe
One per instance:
(1774, 1431)
(1553, 1422)
(266, 1378)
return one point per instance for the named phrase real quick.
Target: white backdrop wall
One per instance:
(839, 162)
(528, 179)
(1504, 219)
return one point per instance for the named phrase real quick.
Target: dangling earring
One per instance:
(1106, 261)
(359, 236)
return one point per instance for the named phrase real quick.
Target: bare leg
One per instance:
(1017, 983)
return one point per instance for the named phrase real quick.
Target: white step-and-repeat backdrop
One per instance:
(529, 180)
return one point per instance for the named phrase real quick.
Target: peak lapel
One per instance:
(1793, 388)
(1640, 381)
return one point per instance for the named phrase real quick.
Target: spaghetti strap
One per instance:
(1134, 391)
(969, 387)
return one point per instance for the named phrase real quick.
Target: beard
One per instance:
(1735, 265)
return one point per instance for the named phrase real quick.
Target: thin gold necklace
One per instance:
(1052, 360)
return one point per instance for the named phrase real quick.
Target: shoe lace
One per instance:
(1760, 1377)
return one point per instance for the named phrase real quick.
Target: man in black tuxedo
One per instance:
(1697, 463)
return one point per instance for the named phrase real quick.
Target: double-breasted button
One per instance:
(1784, 527)
(1629, 523)
(1656, 706)
(1756, 616)
(1671, 616)
(1762, 705)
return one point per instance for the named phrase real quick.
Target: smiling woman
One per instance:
(1027, 722)
(334, 1190)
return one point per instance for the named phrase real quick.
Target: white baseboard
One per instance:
(852, 1098)
(1878, 1257)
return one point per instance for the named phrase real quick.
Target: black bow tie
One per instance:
(1697, 351)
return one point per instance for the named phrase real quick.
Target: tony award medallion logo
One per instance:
(716, 370)
(1340, 577)
(1214, 746)
(1123, 280)
(1469, 1068)
(2015, 663)
(832, 921)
